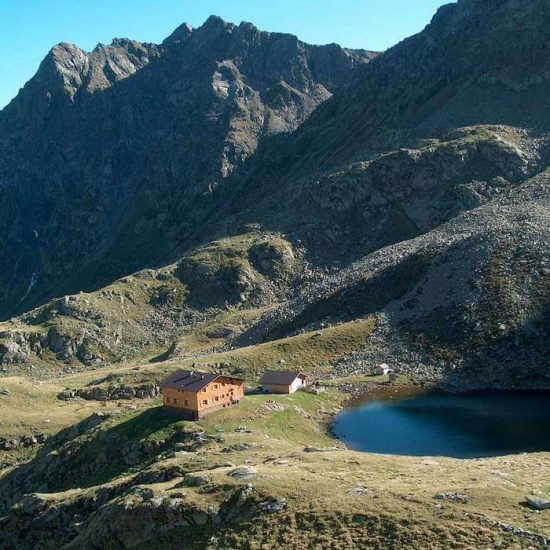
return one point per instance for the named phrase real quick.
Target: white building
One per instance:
(382, 369)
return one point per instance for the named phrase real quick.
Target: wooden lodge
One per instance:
(195, 394)
(276, 381)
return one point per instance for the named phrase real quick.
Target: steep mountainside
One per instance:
(470, 66)
(110, 160)
(442, 122)
(452, 120)
(438, 146)
(467, 303)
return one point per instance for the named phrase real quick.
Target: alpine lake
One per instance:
(473, 425)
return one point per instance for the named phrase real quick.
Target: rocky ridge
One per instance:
(466, 302)
(111, 161)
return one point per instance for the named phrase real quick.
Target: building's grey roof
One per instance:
(279, 377)
(192, 381)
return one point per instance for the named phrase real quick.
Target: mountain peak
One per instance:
(215, 21)
(180, 35)
(62, 68)
(68, 70)
(225, 85)
(247, 25)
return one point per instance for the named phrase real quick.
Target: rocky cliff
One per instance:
(110, 161)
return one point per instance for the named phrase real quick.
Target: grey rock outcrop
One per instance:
(145, 136)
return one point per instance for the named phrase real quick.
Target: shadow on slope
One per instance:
(93, 452)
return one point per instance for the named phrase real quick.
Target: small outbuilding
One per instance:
(195, 394)
(382, 369)
(279, 381)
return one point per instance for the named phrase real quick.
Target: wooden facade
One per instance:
(194, 395)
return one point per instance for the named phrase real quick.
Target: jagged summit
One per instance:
(214, 21)
(68, 70)
(146, 125)
(180, 34)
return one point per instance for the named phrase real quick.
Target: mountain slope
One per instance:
(451, 121)
(467, 303)
(362, 178)
(443, 122)
(470, 66)
(110, 159)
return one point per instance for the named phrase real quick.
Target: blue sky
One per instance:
(29, 28)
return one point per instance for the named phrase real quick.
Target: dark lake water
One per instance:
(460, 426)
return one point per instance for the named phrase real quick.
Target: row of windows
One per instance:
(216, 386)
(174, 401)
(216, 398)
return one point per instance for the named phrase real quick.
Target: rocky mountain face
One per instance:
(451, 121)
(110, 160)
(441, 123)
(255, 172)
(470, 66)
(466, 303)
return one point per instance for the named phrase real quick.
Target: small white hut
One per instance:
(382, 369)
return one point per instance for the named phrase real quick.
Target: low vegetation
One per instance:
(258, 474)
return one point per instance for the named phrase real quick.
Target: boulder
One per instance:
(538, 503)
(312, 449)
(244, 472)
(272, 506)
(224, 331)
(455, 497)
(197, 480)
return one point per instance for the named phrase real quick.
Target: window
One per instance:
(215, 386)
(186, 402)
(205, 401)
(217, 398)
(204, 390)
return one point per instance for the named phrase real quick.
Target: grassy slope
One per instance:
(33, 408)
(144, 315)
(396, 508)
(311, 352)
(397, 502)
